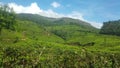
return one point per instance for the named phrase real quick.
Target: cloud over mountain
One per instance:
(35, 9)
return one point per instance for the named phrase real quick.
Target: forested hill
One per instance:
(111, 28)
(45, 21)
(61, 27)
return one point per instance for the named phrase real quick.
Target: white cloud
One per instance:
(35, 9)
(55, 4)
(75, 15)
(78, 15)
(95, 24)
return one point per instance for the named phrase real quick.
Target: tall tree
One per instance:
(7, 17)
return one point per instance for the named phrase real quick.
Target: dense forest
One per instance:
(111, 28)
(34, 41)
(7, 18)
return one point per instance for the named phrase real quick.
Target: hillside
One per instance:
(62, 27)
(111, 28)
(26, 30)
(34, 41)
(45, 21)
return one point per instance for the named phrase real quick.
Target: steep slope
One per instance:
(62, 27)
(25, 31)
(45, 21)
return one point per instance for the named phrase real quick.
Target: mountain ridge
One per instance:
(46, 21)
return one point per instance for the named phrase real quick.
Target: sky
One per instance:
(94, 12)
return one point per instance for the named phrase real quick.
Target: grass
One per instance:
(32, 46)
(46, 54)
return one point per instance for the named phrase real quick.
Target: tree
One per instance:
(111, 28)
(7, 18)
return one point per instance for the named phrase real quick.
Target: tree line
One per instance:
(111, 28)
(7, 18)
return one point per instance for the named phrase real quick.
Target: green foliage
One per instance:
(7, 17)
(46, 54)
(111, 28)
(45, 21)
(62, 33)
(41, 42)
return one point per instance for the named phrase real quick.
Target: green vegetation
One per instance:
(7, 18)
(41, 42)
(111, 28)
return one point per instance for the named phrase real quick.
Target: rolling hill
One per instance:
(62, 27)
(45, 21)
(42, 42)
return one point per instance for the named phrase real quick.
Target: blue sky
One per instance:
(93, 11)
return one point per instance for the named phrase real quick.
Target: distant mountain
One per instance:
(45, 21)
(64, 28)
